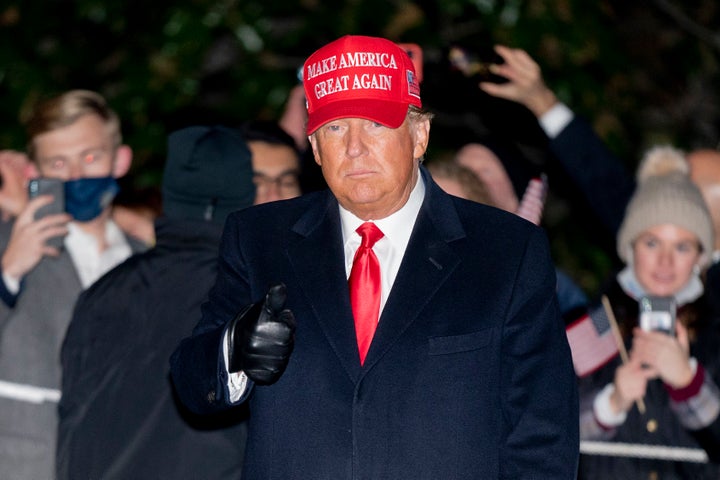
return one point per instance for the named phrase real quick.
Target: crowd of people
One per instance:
(650, 398)
(390, 316)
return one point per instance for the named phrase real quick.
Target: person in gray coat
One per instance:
(74, 138)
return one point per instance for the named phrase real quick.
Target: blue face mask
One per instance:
(86, 198)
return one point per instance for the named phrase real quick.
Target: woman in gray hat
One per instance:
(660, 391)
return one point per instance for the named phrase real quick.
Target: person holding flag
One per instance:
(663, 393)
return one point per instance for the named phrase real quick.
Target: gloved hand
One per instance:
(262, 338)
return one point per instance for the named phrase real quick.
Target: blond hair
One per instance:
(446, 167)
(65, 109)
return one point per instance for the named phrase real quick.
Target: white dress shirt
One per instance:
(390, 249)
(89, 261)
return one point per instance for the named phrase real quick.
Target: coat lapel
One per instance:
(319, 263)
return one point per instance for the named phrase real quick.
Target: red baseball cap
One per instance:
(359, 77)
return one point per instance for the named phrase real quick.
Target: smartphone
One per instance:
(476, 63)
(658, 313)
(54, 187)
(416, 55)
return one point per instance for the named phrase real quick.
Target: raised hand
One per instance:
(262, 338)
(27, 244)
(525, 81)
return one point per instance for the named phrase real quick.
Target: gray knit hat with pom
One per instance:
(665, 194)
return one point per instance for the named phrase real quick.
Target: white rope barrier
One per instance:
(28, 393)
(638, 450)
(32, 394)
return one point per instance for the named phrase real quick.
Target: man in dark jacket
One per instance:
(415, 335)
(118, 414)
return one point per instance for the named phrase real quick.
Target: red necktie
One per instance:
(365, 287)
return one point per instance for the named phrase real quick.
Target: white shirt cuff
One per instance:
(692, 361)
(237, 382)
(556, 119)
(12, 284)
(603, 411)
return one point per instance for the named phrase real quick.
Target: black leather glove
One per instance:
(262, 338)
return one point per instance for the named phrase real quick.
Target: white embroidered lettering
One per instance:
(331, 85)
(326, 65)
(374, 82)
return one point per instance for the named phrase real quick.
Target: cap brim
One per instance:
(384, 112)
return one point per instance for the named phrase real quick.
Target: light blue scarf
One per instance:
(692, 290)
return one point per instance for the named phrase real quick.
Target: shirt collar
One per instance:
(113, 236)
(89, 262)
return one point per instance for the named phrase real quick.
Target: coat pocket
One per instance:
(460, 343)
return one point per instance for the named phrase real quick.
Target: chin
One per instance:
(365, 194)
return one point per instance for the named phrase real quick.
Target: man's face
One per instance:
(275, 171)
(370, 168)
(82, 149)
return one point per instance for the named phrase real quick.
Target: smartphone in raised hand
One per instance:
(54, 187)
(475, 63)
(658, 313)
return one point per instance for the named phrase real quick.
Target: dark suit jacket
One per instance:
(469, 374)
(596, 171)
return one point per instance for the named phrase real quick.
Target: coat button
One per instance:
(652, 425)
(211, 396)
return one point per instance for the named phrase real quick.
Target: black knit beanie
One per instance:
(208, 174)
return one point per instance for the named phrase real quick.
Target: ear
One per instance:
(421, 137)
(123, 160)
(313, 144)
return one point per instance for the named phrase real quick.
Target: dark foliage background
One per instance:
(643, 72)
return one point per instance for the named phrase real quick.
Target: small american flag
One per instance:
(533, 200)
(592, 341)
